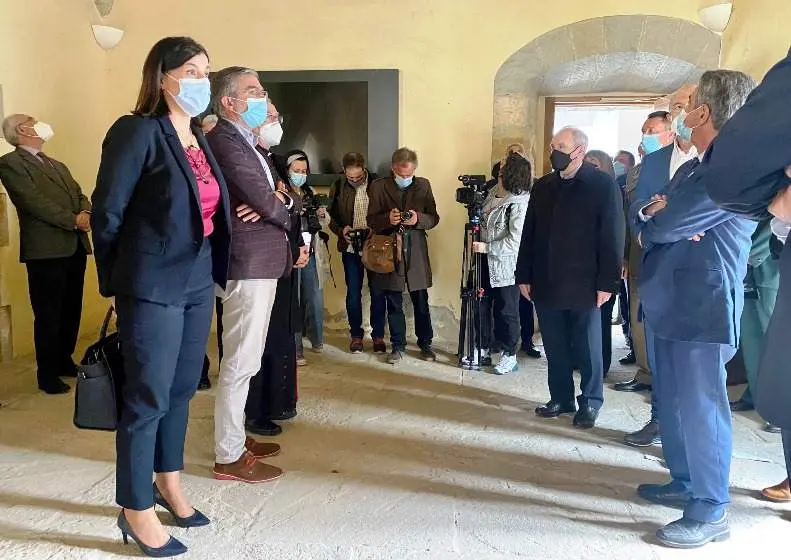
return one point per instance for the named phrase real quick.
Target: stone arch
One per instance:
(633, 53)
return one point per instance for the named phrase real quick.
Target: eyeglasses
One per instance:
(272, 119)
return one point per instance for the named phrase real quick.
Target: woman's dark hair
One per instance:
(517, 174)
(282, 165)
(605, 160)
(168, 54)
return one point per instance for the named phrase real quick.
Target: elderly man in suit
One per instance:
(758, 134)
(260, 254)
(695, 258)
(54, 218)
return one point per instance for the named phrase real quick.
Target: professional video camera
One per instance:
(473, 193)
(311, 202)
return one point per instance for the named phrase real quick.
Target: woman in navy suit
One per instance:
(161, 232)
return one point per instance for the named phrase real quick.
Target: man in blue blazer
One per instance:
(748, 173)
(691, 286)
(656, 170)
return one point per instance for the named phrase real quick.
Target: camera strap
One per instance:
(405, 237)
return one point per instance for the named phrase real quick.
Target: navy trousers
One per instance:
(163, 348)
(570, 334)
(695, 421)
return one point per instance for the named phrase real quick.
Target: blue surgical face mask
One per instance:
(297, 179)
(619, 168)
(680, 128)
(193, 96)
(403, 182)
(651, 143)
(256, 113)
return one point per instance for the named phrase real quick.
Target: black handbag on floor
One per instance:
(97, 400)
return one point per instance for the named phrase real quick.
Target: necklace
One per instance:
(198, 163)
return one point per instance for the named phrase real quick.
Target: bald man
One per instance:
(54, 220)
(569, 266)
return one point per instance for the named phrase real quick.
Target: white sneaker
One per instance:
(506, 365)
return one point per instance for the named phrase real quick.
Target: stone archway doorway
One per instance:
(634, 54)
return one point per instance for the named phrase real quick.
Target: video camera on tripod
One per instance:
(473, 196)
(311, 202)
(473, 193)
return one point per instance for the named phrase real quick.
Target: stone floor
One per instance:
(410, 462)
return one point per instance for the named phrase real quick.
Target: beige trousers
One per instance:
(246, 310)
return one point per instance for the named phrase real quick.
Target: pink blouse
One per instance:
(208, 187)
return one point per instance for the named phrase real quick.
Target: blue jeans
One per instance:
(311, 304)
(353, 270)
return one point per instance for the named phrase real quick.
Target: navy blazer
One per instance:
(654, 173)
(147, 219)
(692, 290)
(746, 170)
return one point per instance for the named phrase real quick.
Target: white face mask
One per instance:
(271, 135)
(43, 131)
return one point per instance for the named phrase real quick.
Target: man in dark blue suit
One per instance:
(691, 286)
(748, 173)
(656, 170)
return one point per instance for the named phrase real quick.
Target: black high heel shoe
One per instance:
(173, 547)
(197, 519)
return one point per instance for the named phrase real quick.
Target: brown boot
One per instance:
(260, 449)
(356, 346)
(778, 493)
(247, 469)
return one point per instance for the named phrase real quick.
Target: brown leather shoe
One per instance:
(247, 469)
(356, 346)
(379, 346)
(778, 493)
(260, 449)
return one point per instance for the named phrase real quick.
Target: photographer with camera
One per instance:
(502, 218)
(403, 205)
(296, 169)
(348, 210)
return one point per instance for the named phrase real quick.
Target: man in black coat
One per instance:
(569, 266)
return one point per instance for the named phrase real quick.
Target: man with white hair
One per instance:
(54, 218)
(569, 266)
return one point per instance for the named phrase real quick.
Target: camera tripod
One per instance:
(472, 322)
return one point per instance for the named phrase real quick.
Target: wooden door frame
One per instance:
(551, 103)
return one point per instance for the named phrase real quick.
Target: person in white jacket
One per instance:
(502, 219)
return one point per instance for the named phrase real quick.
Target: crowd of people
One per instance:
(194, 216)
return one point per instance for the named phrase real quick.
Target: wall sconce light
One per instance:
(715, 17)
(107, 37)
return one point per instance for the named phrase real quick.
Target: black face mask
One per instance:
(560, 161)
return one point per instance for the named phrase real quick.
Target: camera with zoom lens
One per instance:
(357, 239)
(473, 193)
(406, 215)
